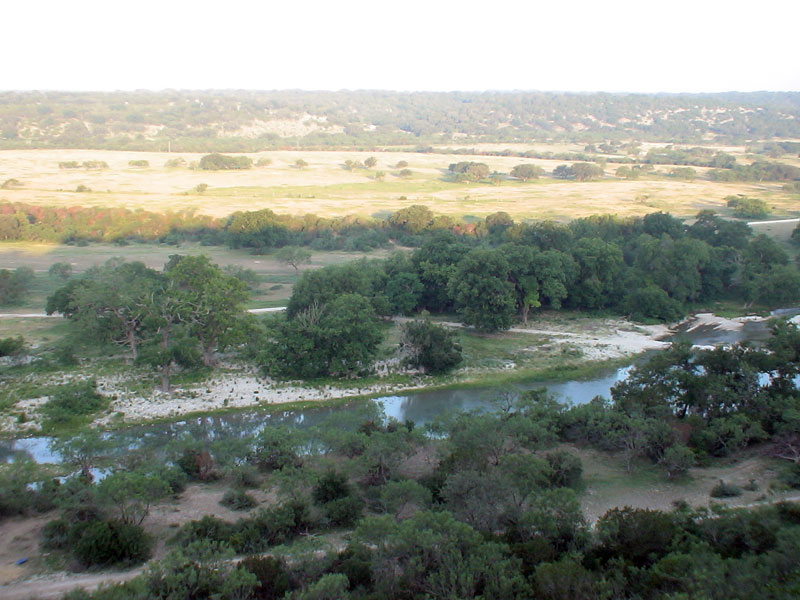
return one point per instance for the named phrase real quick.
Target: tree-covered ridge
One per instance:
(248, 121)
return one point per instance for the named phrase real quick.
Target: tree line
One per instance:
(215, 121)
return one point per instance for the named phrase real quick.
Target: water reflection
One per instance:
(420, 407)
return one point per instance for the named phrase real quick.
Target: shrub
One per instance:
(95, 164)
(344, 512)
(725, 490)
(208, 528)
(331, 486)
(221, 162)
(244, 477)
(791, 476)
(238, 500)
(138, 163)
(112, 542)
(69, 164)
(432, 347)
(72, 404)
(263, 162)
(11, 346)
(566, 470)
(55, 535)
(271, 574)
(174, 477)
(174, 163)
(12, 183)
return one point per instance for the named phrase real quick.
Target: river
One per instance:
(421, 407)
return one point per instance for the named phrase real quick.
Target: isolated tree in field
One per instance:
(469, 171)
(370, 162)
(586, 171)
(217, 162)
(14, 284)
(526, 172)
(60, 269)
(405, 173)
(481, 291)
(380, 175)
(294, 256)
(300, 163)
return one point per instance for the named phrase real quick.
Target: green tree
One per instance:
(216, 162)
(210, 301)
(110, 303)
(60, 269)
(338, 339)
(431, 347)
(130, 494)
(481, 291)
(527, 172)
(294, 256)
(14, 284)
(431, 555)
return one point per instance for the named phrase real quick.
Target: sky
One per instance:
(409, 45)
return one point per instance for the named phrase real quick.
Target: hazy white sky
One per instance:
(577, 45)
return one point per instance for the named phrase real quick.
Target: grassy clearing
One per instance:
(327, 189)
(274, 289)
(609, 484)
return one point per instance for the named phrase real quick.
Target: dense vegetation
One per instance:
(231, 121)
(494, 514)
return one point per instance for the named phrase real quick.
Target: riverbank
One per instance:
(550, 348)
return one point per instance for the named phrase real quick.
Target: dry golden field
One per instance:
(326, 188)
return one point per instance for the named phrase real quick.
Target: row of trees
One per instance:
(649, 268)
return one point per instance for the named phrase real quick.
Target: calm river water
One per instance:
(420, 407)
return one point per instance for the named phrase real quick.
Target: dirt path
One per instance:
(55, 586)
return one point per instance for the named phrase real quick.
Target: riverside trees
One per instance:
(180, 316)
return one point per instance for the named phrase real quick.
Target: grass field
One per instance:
(274, 289)
(326, 188)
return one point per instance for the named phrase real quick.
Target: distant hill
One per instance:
(250, 121)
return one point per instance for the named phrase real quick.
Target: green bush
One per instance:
(725, 490)
(138, 163)
(331, 486)
(72, 404)
(208, 528)
(11, 346)
(238, 500)
(56, 535)
(174, 477)
(432, 347)
(344, 512)
(566, 470)
(220, 162)
(791, 476)
(112, 542)
(244, 477)
(272, 575)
